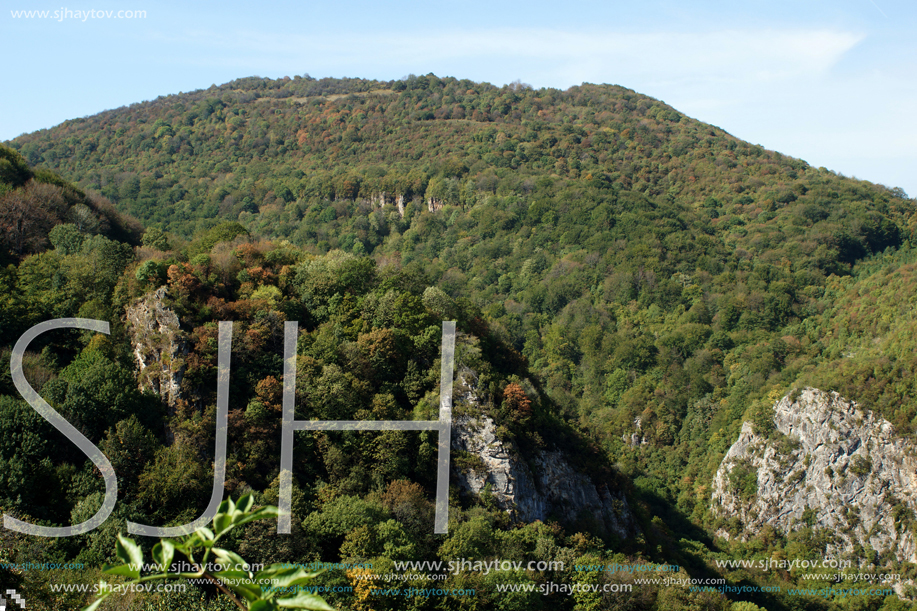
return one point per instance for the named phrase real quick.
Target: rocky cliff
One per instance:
(159, 346)
(551, 487)
(828, 464)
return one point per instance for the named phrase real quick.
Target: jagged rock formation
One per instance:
(829, 464)
(511, 483)
(636, 438)
(159, 346)
(556, 488)
(380, 200)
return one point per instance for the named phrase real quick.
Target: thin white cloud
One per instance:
(730, 55)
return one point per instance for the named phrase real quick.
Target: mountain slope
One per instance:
(647, 265)
(32, 202)
(662, 281)
(264, 144)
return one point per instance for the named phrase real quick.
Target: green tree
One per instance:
(66, 238)
(100, 393)
(152, 273)
(14, 170)
(154, 237)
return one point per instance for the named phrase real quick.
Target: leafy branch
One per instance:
(270, 589)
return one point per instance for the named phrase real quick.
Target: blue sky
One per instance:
(833, 83)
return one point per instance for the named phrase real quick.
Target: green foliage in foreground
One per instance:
(199, 549)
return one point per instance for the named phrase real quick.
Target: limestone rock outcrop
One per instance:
(160, 346)
(831, 465)
(382, 199)
(549, 487)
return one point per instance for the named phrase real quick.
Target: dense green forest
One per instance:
(628, 269)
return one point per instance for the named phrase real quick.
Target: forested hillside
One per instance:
(647, 281)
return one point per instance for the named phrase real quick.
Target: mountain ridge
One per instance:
(617, 119)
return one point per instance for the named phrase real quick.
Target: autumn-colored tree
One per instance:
(182, 280)
(408, 503)
(517, 403)
(25, 221)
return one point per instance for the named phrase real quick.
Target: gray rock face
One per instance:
(636, 438)
(511, 482)
(573, 495)
(380, 200)
(838, 467)
(159, 346)
(555, 488)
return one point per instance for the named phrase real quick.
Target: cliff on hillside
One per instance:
(551, 489)
(830, 465)
(159, 346)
